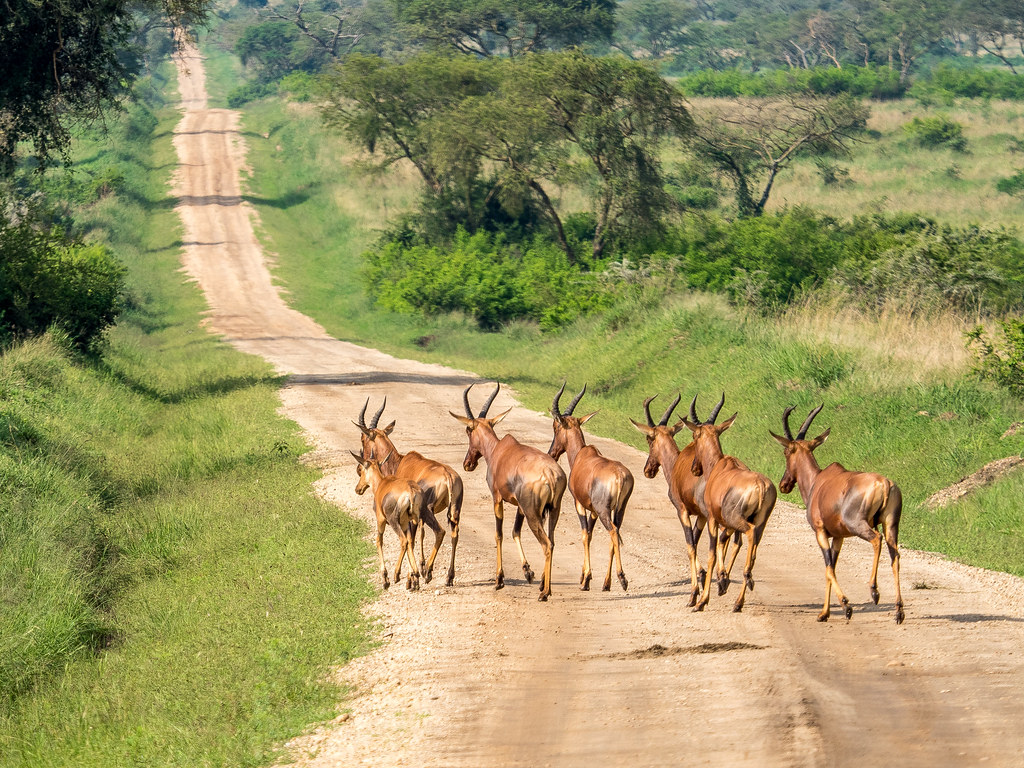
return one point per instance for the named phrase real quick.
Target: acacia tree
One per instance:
(751, 141)
(652, 28)
(64, 63)
(511, 27)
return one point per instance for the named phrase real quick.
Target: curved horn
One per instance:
(575, 401)
(487, 405)
(668, 413)
(647, 410)
(785, 421)
(803, 430)
(714, 413)
(465, 401)
(376, 416)
(362, 415)
(693, 411)
(554, 403)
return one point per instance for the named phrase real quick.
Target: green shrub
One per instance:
(937, 132)
(484, 277)
(297, 86)
(48, 279)
(1012, 185)
(866, 82)
(1000, 359)
(243, 94)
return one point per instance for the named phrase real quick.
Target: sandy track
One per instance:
(467, 676)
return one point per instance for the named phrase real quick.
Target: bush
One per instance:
(243, 94)
(486, 278)
(47, 279)
(936, 133)
(866, 82)
(1012, 185)
(1001, 360)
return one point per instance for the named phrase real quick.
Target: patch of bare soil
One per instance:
(470, 676)
(987, 474)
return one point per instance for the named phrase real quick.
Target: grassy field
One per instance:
(889, 174)
(899, 394)
(172, 592)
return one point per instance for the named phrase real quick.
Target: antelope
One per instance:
(397, 503)
(600, 487)
(441, 485)
(684, 487)
(520, 475)
(840, 504)
(736, 500)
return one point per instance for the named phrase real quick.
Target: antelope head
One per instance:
(798, 450)
(479, 428)
(706, 435)
(369, 472)
(375, 442)
(659, 436)
(565, 424)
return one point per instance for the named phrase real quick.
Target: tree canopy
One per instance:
(68, 61)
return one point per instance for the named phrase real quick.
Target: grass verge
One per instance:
(172, 593)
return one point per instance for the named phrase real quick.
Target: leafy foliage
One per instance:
(875, 82)
(485, 277)
(66, 63)
(1012, 185)
(1000, 358)
(937, 132)
(48, 279)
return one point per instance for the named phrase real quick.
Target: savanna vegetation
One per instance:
(792, 202)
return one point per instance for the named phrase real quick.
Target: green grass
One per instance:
(172, 592)
(877, 374)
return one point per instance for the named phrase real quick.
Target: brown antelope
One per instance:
(840, 504)
(684, 487)
(736, 500)
(397, 503)
(441, 486)
(600, 487)
(519, 475)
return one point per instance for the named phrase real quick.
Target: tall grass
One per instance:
(172, 592)
(898, 392)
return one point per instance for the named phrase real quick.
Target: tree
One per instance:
(66, 62)
(654, 28)
(335, 28)
(751, 140)
(996, 26)
(512, 27)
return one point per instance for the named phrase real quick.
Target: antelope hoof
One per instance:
(451, 578)
(699, 607)
(499, 582)
(528, 572)
(750, 581)
(723, 585)
(585, 586)
(823, 616)
(874, 595)
(899, 614)
(848, 609)
(623, 582)
(385, 579)
(428, 575)
(543, 597)
(693, 598)
(737, 608)
(583, 577)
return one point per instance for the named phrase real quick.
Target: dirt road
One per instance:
(467, 676)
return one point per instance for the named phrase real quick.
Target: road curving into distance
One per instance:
(467, 676)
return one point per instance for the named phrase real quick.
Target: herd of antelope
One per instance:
(708, 488)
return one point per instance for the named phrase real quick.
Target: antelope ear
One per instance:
(689, 425)
(467, 421)
(362, 429)
(727, 423)
(587, 418)
(676, 428)
(495, 419)
(820, 438)
(388, 428)
(649, 431)
(784, 442)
